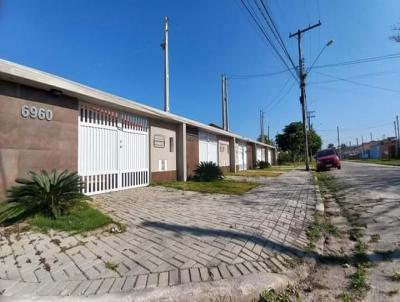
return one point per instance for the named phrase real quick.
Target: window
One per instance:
(171, 144)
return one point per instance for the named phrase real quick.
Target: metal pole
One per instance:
(397, 139)
(398, 134)
(338, 141)
(166, 66)
(223, 102)
(226, 104)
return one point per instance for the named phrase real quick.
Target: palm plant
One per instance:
(49, 192)
(208, 171)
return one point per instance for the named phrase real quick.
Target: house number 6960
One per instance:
(34, 112)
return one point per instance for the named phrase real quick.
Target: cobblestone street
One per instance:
(172, 237)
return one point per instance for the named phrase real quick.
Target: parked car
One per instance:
(327, 159)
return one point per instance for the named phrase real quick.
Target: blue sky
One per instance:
(115, 46)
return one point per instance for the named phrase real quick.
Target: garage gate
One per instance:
(208, 147)
(241, 150)
(113, 150)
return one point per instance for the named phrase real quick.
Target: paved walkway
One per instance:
(172, 237)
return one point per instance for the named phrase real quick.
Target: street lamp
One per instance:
(330, 42)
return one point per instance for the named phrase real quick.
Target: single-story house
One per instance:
(48, 122)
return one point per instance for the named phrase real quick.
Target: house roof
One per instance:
(32, 77)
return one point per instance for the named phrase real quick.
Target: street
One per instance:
(374, 192)
(371, 194)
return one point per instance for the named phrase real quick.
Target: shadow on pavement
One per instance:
(276, 247)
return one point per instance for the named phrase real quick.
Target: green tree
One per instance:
(267, 140)
(396, 36)
(292, 140)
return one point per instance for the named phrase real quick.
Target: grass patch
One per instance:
(375, 238)
(358, 281)
(81, 217)
(257, 173)
(346, 297)
(111, 266)
(395, 277)
(361, 252)
(319, 227)
(229, 187)
(289, 294)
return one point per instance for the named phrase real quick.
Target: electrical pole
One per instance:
(357, 141)
(262, 135)
(397, 139)
(338, 140)
(310, 115)
(223, 101)
(302, 77)
(370, 135)
(398, 134)
(226, 105)
(268, 133)
(164, 46)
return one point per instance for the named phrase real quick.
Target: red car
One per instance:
(327, 159)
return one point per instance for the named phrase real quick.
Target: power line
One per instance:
(361, 61)
(379, 73)
(345, 63)
(256, 20)
(359, 83)
(277, 100)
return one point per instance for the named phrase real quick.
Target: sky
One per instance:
(114, 46)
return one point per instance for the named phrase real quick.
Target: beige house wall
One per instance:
(159, 130)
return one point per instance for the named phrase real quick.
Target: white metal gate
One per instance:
(242, 156)
(208, 147)
(113, 150)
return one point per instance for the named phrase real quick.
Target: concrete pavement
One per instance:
(173, 238)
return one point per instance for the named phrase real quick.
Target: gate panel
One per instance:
(113, 150)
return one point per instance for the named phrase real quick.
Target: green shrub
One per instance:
(284, 158)
(263, 164)
(208, 171)
(50, 193)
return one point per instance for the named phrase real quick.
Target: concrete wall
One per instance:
(31, 144)
(167, 152)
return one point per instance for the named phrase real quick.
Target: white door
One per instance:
(113, 150)
(242, 154)
(270, 156)
(259, 154)
(208, 147)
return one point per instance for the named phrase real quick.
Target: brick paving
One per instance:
(172, 237)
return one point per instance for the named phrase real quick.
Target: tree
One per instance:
(331, 146)
(396, 36)
(267, 140)
(292, 140)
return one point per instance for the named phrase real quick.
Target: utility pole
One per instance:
(164, 46)
(310, 115)
(357, 141)
(262, 135)
(398, 134)
(223, 101)
(370, 135)
(338, 140)
(226, 105)
(302, 77)
(268, 133)
(397, 139)
(362, 145)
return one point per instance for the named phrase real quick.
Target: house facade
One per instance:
(47, 122)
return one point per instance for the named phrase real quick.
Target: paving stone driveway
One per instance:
(172, 237)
